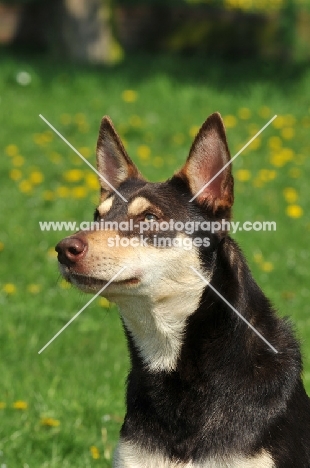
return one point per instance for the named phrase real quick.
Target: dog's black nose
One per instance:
(71, 250)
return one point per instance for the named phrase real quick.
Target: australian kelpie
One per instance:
(204, 390)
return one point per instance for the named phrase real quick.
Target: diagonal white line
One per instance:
(82, 157)
(232, 159)
(80, 311)
(235, 310)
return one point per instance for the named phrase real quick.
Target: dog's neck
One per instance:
(155, 315)
(157, 323)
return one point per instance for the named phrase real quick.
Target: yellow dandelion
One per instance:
(279, 122)
(290, 195)
(85, 151)
(73, 175)
(80, 118)
(144, 152)
(38, 139)
(267, 266)
(282, 157)
(50, 422)
(36, 177)
(94, 452)
(288, 133)
(255, 144)
(294, 211)
(79, 192)
(244, 113)
(179, 138)
(2, 404)
(52, 253)
(34, 288)
(193, 131)
(104, 302)
(18, 161)
(92, 181)
(55, 157)
(158, 162)
(48, 195)
(25, 186)
(294, 172)
(135, 121)
(64, 284)
(62, 192)
(272, 174)
(15, 174)
(9, 288)
(1, 246)
(11, 150)
(266, 175)
(230, 121)
(305, 122)
(263, 175)
(243, 175)
(275, 143)
(20, 404)
(41, 139)
(129, 95)
(277, 160)
(258, 257)
(288, 154)
(264, 112)
(65, 119)
(47, 136)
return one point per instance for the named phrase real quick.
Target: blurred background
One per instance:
(158, 68)
(103, 31)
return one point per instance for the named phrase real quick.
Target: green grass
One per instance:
(79, 380)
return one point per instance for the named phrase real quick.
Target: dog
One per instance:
(204, 390)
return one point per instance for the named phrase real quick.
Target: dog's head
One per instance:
(148, 234)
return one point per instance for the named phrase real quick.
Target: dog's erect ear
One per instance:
(113, 162)
(208, 155)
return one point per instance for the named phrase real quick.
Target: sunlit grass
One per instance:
(65, 407)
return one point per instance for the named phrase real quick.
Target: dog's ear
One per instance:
(113, 162)
(208, 155)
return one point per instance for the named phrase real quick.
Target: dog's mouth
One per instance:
(91, 282)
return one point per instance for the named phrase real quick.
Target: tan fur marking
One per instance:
(105, 206)
(138, 205)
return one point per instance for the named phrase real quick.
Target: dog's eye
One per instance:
(150, 217)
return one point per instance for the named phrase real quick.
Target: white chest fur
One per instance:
(128, 455)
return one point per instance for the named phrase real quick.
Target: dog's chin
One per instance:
(93, 285)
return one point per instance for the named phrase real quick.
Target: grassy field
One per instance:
(65, 406)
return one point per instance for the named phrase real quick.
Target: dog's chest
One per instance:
(129, 455)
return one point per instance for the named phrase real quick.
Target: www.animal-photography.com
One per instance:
(154, 234)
